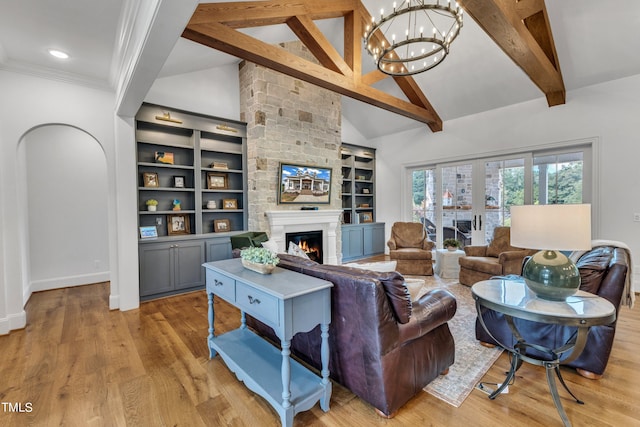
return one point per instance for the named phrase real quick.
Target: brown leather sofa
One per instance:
(410, 246)
(603, 271)
(498, 258)
(383, 347)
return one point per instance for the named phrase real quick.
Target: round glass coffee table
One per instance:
(514, 299)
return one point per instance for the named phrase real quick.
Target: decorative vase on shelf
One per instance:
(151, 208)
(258, 268)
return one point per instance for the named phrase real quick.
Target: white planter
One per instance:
(151, 208)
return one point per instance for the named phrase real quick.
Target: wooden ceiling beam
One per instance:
(260, 13)
(215, 25)
(233, 42)
(318, 45)
(503, 22)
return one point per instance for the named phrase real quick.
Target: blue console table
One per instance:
(287, 301)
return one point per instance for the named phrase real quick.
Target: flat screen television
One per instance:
(304, 184)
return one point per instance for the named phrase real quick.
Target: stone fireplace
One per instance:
(328, 221)
(294, 122)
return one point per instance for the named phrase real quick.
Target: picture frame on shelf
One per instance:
(229, 204)
(163, 157)
(148, 232)
(366, 217)
(219, 165)
(221, 225)
(150, 179)
(304, 184)
(217, 181)
(178, 224)
(178, 181)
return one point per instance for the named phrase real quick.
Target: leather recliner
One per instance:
(411, 248)
(603, 272)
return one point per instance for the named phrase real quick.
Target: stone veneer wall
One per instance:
(288, 120)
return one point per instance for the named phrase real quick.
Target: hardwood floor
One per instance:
(79, 364)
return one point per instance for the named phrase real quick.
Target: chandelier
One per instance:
(415, 37)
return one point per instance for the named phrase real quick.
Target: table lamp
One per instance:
(549, 273)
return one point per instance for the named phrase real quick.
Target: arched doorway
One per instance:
(64, 195)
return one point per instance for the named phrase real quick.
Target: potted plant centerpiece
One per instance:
(451, 244)
(258, 259)
(151, 204)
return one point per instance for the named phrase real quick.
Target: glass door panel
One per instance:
(558, 178)
(457, 202)
(504, 187)
(423, 196)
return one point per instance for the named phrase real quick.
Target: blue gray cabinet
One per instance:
(288, 302)
(362, 240)
(170, 267)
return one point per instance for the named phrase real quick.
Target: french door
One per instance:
(466, 200)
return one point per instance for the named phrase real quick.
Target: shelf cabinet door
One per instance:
(374, 239)
(188, 260)
(156, 268)
(352, 243)
(218, 249)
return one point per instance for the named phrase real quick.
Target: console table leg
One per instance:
(211, 316)
(550, 368)
(324, 354)
(286, 374)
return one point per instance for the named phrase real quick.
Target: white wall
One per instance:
(26, 103)
(214, 92)
(608, 112)
(66, 175)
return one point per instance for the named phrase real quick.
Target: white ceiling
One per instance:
(596, 41)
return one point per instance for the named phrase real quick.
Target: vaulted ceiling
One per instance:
(521, 29)
(493, 63)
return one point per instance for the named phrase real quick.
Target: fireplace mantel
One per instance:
(282, 222)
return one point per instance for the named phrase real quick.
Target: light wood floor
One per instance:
(79, 364)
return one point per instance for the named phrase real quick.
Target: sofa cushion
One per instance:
(593, 267)
(488, 265)
(409, 253)
(392, 282)
(501, 242)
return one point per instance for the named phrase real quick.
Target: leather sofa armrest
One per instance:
(433, 309)
(475, 250)
(392, 244)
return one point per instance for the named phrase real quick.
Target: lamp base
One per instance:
(551, 275)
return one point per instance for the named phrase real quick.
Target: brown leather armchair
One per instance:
(410, 246)
(498, 258)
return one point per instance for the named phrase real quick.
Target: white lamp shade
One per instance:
(552, 227)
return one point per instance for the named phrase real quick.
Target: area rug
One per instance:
(472, 360)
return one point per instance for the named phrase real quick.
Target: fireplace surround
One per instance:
(290, 221)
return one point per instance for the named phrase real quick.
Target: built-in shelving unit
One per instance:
(200, 162)
(362, 236)
(358, 184)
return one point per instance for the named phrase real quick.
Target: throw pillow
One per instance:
(383, 266)
(271, 246)
(295, 250)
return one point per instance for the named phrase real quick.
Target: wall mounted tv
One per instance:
(304, 184)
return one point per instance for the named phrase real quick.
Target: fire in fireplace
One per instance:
(309, 241)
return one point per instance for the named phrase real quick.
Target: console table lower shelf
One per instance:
(257, 364)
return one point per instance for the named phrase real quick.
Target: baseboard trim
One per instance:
(66, 282)
(13, 322)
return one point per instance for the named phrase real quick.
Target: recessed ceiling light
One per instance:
(58, 54)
